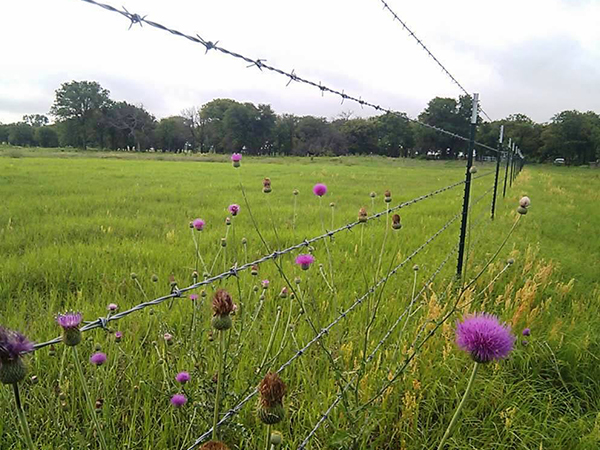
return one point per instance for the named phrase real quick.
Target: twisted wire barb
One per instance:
(102, 322)
(406, 311)
(292, 76)
(424, 47)
(326, 330)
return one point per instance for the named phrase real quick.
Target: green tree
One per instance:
(131, 126)
(21, 134)
(80, 102)
(395, 135)
(361, 136)
(571, 135)
(46, 136)
(172, 134)
(36, 120)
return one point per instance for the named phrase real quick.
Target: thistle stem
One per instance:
(23, 418)
(219, 377)
(268, 438)
(89, 399)
(459, 408)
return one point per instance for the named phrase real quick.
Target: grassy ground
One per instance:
(74, 226)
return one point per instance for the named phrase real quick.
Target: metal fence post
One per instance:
(498, 156)
(467, 194)
(506, 168)
(512, 162)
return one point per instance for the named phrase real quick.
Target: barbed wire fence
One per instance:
(514, 161)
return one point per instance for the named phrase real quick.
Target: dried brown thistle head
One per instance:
(272, 389)
(222, 304)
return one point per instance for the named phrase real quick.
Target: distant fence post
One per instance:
(512, 162)
(467, 194)
(498, 156)
(506, 168)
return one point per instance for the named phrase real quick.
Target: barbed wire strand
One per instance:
(408, 359)
(326, 330)
(261, 64)
(103, 322)
(437, 61)
(406, 311)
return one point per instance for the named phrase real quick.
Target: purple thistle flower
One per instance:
(320, 189)
(112, 307)
(305, 261)
(198, 224)
(183, 377)
(178, 400)
(234, 209)
(194, 297)
(69, 321)
(98, 358)
(12, 344)
(118, 336)
(235, 159)
(265, 283)
(484, 337)
(526, 332)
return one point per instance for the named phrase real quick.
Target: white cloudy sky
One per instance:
(536, 57)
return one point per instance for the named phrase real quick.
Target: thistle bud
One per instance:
(276, 438)
(223, 242)
(396, 225)
(195, 275)
(372, 194)
(266, 185)
(332, 205)
(227, 221)
(525, 202)
(284, 292)
(154, 278)
(244, 241)
(416, 267)
(522, 210)
(296, 192)
(254, 270)
(168, 338)
(362, 215)
(203, 293)
(297, 280)
(510, 261)
(473, 170)
(133, 275)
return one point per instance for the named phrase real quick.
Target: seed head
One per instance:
(222, 303)
(272, 390)
(362, 215)
(396, 225)
(267, 185)
(254, 270)
(387, 196)
(214, 445)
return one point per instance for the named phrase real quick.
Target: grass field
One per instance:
(74, 227)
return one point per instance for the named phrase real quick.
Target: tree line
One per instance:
(85, 116)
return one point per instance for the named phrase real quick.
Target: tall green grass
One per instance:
(74, 228)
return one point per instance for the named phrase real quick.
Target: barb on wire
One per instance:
(326, 330)
(424, 47)
(208, 45)
(103, 321)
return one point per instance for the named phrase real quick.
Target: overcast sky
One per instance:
(536, 57)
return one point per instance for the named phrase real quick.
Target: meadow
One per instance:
(79, 231)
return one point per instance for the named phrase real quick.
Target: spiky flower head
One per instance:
(12, 345)
(305, 260)
(362, 215)
(98, 358)
(267, 185)
(112, 307)
(70, 324)
(526, 332)
(319, 189)
(214, 445)
(199, 224)
(118, 336)
(265, 284)
(484, 337)
(235, 159)
(396, 224)
(183, 377)
(178, 400)
(270, 404)
(194, 297)
(234, 209)
(222, 306)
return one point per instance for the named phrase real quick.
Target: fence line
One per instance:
(424, 47)
(261, 64)
(102, 322)
(326, 330)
